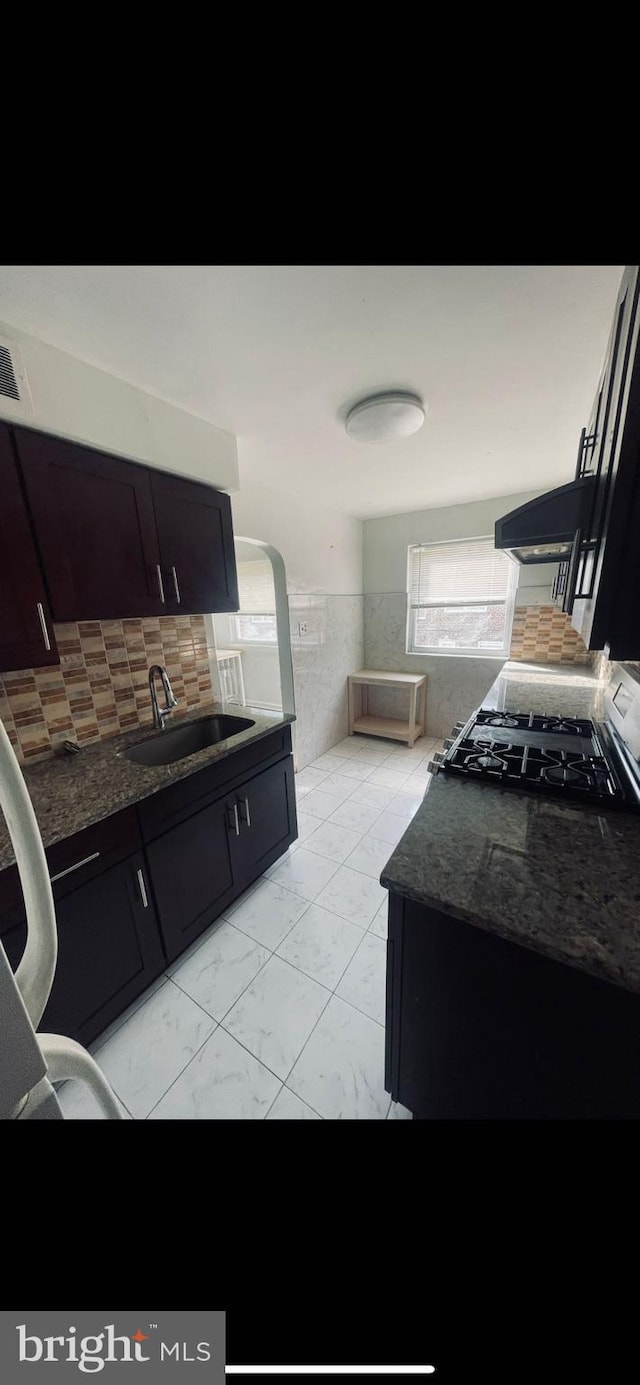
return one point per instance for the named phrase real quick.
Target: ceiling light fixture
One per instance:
(385, 417)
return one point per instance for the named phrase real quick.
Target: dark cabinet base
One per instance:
(109, 951)
(125, 910)
(480, 1028)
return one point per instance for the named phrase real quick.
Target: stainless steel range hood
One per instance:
(543, 530)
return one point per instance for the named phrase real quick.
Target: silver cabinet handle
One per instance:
(236, 824)
(175, 583)
(143, 892)
(160, 583)
(77, 866)
(43, 623)
(246, 809)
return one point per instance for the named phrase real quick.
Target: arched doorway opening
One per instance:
(260, 671)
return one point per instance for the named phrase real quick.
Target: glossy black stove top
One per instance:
(549, 754)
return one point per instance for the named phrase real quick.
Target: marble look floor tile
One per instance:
(338, 785)
(389, 778)
(306, 825)
(288, 1107)
(406, 802)
(78, 1104)
(145, 1055)
(333, 841)
(349, 746)
(309, 778)
(364, 981)
(275, 1015)
(369, 756)
(221, 969)
(301, 791)
(388, 828)
(359, 817)
(373, 794)
(353, 896)
(340, 1072)
(305, 873)
(397, 1112)
(402, 757)
(370, 856)
(321, 945)
(223, 1082)
(380, 924)
(322, 805)
(269, 912)
(354, 769)
(418, 780)
(328, 763)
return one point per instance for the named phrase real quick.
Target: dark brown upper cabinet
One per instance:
(95, 527)
(120, 539)
(196, 544)
(26, 630)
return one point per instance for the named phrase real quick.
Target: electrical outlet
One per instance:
(302, 627)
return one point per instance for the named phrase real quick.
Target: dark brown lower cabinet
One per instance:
(193, 871)
(268, 822)
(479, 1028)
(109, 950)
(200, 866)
(126, 906)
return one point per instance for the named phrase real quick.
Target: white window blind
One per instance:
(444, 573)
(255, 587)
(461, 597)
(256, 618)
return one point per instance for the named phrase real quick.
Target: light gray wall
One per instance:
(386, 541)
(455, 684)
(67, 396)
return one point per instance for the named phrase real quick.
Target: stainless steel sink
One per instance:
(170, 746)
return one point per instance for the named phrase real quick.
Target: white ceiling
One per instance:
(507, 358)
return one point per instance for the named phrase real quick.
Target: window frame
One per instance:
(271, 643)
(460, 651)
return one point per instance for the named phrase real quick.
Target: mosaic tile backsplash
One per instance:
(101, 687)
(545, 634)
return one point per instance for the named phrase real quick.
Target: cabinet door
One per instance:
(196, 545)
(194, 872)
(268, 822)
(26, 630)
(94, 524)
(109, 950)
(612, 455)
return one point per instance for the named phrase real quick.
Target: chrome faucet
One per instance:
(159, 713)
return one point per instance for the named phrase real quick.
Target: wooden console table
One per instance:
(413, 683)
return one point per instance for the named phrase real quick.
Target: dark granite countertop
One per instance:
(70, 792)
(561, 878)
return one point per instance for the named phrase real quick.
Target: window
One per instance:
(256, 619)
(461, 598)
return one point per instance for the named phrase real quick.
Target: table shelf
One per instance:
(393, 728)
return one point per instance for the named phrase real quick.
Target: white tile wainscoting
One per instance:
(277, 1011)
(322, 658)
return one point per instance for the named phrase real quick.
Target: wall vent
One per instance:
(15, 395)
(8, 384)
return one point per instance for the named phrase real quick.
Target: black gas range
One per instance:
(570, 757)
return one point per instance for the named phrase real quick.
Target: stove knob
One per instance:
(432, 767)
(448, 743)
(459, 726)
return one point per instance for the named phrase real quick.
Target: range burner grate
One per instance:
(546, 769)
